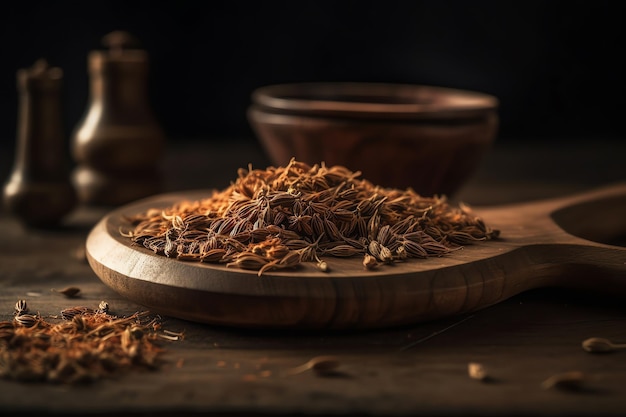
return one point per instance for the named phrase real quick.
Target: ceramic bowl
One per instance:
(428, 138)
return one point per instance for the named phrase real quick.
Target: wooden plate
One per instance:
(568, 242)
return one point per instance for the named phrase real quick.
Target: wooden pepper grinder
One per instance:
(118, 144)
(39, 191)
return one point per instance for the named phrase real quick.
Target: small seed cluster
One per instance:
(85, 345)
(280, 217)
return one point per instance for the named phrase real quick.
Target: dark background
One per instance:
(557, 67)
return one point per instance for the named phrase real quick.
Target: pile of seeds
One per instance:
(84, 345)
(280, 217)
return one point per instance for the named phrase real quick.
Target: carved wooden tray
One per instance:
(567, 242)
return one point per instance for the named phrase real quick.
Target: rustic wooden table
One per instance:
(414, 370)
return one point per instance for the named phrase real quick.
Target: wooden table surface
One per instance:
(414, 370)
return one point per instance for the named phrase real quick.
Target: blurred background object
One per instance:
(431, 139)
(118, 143)
(39, 192)
(556, 67)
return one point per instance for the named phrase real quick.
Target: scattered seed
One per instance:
(569, 381)
(322, 266)
(21, 307)
(318, 364)
(477, 371)
(70, 313)
(68, 292)
(103, 307)
(177, 335)
(26, 320)
(601, 345)
(369, 262)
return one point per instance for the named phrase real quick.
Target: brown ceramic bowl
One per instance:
(431, 139)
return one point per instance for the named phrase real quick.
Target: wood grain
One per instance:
(560, 242)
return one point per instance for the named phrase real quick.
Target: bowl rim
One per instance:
(367, 99)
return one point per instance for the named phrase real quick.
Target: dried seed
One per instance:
(277, 251)
(178, 335)
(401, 253)
(248, 261)
(70, 313)
(384, 235)
(601, 345)
(103, 307)
(570, 381)
(213, 255)
(295, 244)
(343, 215)
(332, 231)
(386, 255)
(5, 324)
(26, 320)
(369, 261)
(21, 307)
(414, 249)
(69, 291)
(477, 371)
(373, 225)
(318, 364)
(317, 224)
(178, 223)
(291, 259)
(168, 337)
(6, 334)
(374, 249)
(343, 251)
(322, 266)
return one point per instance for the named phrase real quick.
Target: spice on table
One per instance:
(477, 371)
(568, 381)
(85, 345)
(601, 345)
(69, 292)
(319, 364)
(281, 217)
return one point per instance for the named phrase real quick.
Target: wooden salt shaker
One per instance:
(39, 191)
(118, 144)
